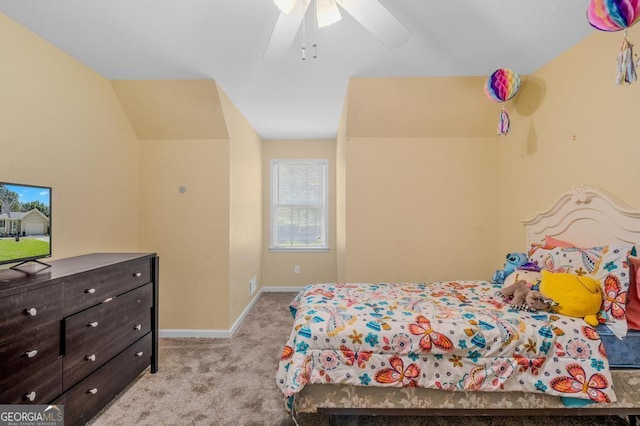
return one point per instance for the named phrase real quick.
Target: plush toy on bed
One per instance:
(522, 297)
(514, 260)
(528, 272)
(577, 296)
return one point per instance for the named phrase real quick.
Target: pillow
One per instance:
(633, 298)
(577, 296)
(607, 263)
(554, 242)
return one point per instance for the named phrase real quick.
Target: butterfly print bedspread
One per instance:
(445, 335)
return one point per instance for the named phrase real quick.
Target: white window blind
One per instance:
(299, 204)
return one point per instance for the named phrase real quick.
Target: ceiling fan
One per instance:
(371, 14)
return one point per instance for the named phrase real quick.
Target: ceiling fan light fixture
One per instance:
(371, 14)
(285, 6)
(327, 13)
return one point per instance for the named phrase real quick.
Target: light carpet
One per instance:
(232, 382)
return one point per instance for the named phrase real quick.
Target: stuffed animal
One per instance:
(531, 277)
(513, 261)
(577, 296)
(520, 295)
(538, 302)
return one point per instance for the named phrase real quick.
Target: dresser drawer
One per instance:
(97, 334)
(142, 352)
(84, 361)
(29, 310)
(27, 354)
(90, 288)
(85, 399)
(39, 388)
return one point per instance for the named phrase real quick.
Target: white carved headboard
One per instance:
(587, 217)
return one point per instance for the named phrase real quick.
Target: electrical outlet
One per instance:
(296, 269)
(253, 283)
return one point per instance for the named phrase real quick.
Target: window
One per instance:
(299, 205)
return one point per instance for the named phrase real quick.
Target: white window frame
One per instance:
(273, 234)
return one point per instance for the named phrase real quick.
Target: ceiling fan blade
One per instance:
(285, 6)
(327, 13)
(378, 20)
(285, 31)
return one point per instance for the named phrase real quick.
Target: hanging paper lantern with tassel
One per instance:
(626, 71)
(501, 86)
(617, 15)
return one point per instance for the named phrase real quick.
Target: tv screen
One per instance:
(25, 222)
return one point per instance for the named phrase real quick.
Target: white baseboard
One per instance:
(282, 289)
(244, 313)
(225, 334)
(211, 334)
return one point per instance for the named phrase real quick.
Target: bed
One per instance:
(457, 348)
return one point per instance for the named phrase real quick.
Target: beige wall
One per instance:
(341, 194)
(210, 236)
(172, 109)
(278, 267)
(245, 207)
(571, 124)
(438, 107)
(420, 191)
(421, 208)
(188, 230)
(63, 127)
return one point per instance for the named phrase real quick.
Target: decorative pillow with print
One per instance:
(606, 263)
(633, 298)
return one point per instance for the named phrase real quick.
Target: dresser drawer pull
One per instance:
(93, 391)
(137, 327)
(137, 274)
(139, 353)
(31, 354)
(93, 324)
(90, 290)
(31, 396)
(32, 312)
(91, 357)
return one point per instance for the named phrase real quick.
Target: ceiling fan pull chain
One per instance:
(315, 29)
(304, 32)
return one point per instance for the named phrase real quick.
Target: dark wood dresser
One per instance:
(79, 332)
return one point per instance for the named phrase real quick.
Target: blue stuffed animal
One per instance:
(514, 260)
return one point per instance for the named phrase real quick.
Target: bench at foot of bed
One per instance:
(346, 400)
(350, 417)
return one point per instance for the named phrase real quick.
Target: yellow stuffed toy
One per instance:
(577, 296)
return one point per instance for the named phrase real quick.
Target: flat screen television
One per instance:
(25, 224)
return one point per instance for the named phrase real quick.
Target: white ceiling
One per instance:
(290, 98)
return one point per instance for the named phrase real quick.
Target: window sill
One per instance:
(299, 250)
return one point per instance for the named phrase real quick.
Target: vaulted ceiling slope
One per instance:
(289, 98)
